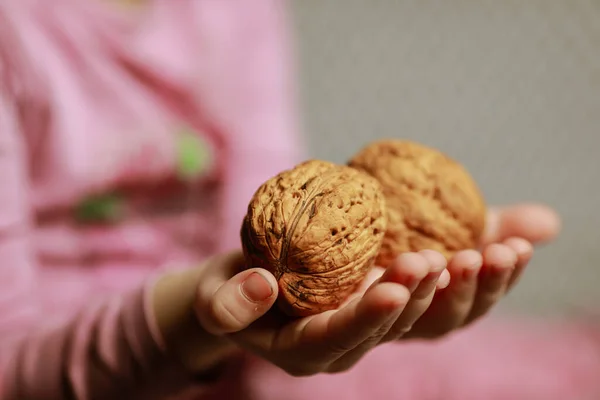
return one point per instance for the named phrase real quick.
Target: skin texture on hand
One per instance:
(204, 314)
(411, 299)
(475, 281)
(334, 340)
(173, 301)
(479, 280)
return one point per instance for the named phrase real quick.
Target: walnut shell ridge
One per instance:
(318, 227)
(432, 201)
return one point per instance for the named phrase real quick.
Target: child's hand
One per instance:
(479, 280)
(236, 308)
(332, 341)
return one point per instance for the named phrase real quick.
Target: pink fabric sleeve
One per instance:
(17, 275)
(107, 351)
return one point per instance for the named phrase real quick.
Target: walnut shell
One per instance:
(432, 201)
(318, 228)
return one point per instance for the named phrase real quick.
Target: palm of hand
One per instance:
(402, 301)
(478, 280)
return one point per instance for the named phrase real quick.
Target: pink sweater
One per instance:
(93, 100)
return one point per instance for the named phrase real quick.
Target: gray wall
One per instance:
(510, 88)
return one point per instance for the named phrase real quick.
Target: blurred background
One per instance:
(509, 88)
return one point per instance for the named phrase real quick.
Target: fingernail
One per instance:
(444, 280)
(256, 288)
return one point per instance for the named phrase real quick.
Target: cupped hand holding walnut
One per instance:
(288, 231)
(318, 228)
(318, 236)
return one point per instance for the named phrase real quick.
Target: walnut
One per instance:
(431, 200)
(318, 228)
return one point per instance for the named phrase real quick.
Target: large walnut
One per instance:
(318, 228)
(432, 201)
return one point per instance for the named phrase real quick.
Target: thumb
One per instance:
(228, 304)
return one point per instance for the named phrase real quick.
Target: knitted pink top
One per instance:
(95, 101)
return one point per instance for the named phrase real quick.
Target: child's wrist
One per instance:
(181, 334)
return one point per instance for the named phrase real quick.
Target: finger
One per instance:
(499, 262)
(536, 223)
(431, 264)
(444, 280)
(524, 251)
(373, 276)
(451, 306)
(438, 271)
(334, 334)
(230, 305)
(350, 358)
(409, 270)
